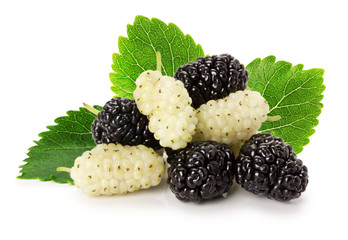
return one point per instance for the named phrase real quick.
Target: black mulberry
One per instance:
(201, 171)
(212, 77)
(266, 165)
(121, 122)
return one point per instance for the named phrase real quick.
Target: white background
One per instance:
(54, 55)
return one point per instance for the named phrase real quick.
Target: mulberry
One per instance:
(121, 122)
(268, 166)
(212, 78)
(201, 171)
(168, 106)
(231, 120)
(115, 169)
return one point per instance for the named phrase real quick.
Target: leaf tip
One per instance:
(270, 58)
(139, 17)
(321, 71)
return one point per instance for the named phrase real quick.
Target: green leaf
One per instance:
(291, 92)
(59, 147)
(137, 53)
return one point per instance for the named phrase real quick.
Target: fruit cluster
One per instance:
(207, 121)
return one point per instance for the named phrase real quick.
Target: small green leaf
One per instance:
(59, 147)
(291, 92)
(137, 53)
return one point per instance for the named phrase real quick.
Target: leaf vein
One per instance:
(269, 81)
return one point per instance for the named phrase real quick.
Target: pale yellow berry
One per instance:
(115, 169)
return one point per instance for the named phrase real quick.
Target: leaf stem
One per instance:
(273, 118)
(91, 109)
(159, 63)
(63, 169)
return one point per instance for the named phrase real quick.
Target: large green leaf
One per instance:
(291, 92)
(60, 146)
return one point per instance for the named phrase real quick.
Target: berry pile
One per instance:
(206, 121)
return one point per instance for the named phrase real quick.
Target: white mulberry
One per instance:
(115, 169)
(167, 104)
(233, 119)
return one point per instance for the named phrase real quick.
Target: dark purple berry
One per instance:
(121, 122)
(212, 77)
(268, 166)
(201, 171)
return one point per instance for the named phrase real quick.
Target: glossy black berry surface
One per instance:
(121, 122)
(268, 166)
(201, 171)
(212, 77)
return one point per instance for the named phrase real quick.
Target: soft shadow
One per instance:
(238, 201)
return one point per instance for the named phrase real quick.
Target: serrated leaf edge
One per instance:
(271, 58)
(44, 134)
